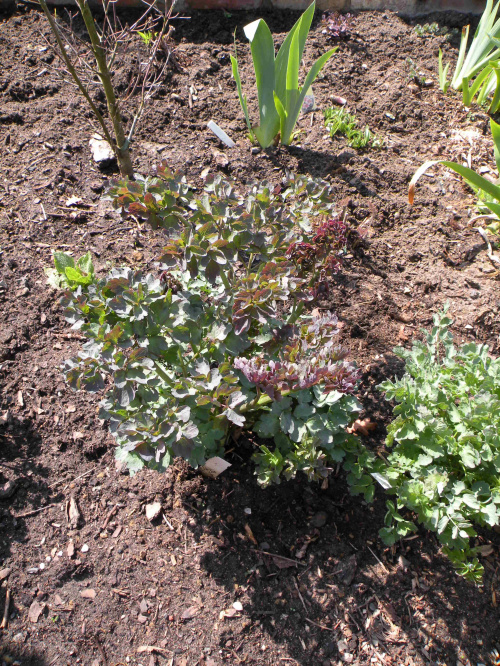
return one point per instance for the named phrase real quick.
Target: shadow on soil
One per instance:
(23, 481)
(11, 654)
(312, 575)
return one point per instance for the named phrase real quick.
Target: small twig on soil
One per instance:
(191, 507)
(101, 649)
(280, 557)
(5, 620)
(322, 626)
(77, 479)
(408, 607)
(108, 517)
(300, 596)
(68, 336)
(168, 522)
(491, 256)
(351, 618)
(379, 560)
(27, 514)
(240, 661)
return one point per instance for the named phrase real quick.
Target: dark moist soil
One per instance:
(341, 596)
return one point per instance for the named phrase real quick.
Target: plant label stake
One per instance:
(221, 134)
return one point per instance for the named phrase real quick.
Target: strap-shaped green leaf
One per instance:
(496, 97)
(296, 100)
(237, 78)
(495, 133)
(292, 72)
(301, 28)
(262, 47)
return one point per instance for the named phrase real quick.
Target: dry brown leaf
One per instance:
(250, 535)
(150, 649)
(71, 549)
(402, 334)
(72, 513)
(486, 550)
(362, 427)
(88, 594)
(190, 612)
(153, 511)
(35, 611)
(411, 194)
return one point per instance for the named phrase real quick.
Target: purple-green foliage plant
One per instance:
(220, 340)
(337, 26)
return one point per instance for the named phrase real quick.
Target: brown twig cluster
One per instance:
(90, 60)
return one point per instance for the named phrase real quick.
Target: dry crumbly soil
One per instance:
(99, 592)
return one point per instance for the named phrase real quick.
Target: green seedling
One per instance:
(147, 37)
(340, 121)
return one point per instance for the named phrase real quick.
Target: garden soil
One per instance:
(230, 573)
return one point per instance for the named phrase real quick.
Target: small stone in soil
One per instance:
(319, 519)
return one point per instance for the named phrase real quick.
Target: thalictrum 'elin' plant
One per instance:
(277, 78)
(445, 461)
(220, 340)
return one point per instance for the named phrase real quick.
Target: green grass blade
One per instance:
(494, 207)
(237, 78)
(281, 112)
(466, 91)
(443, 73)
(478, 82)
(292, 73)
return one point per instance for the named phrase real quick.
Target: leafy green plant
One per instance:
(488, 192)
(220, 341)
(340, 121)
(277, 79)
(70, 274)
(433, 29)
(477, 71)
(445, 462)
(422, 30)
(147, 37)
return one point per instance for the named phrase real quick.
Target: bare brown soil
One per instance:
(335, 595)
